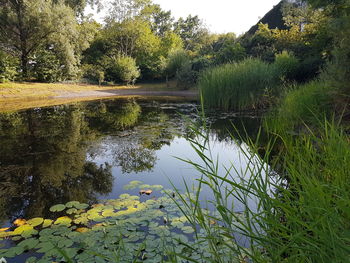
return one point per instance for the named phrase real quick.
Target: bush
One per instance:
(8, 70)
(186, 77)
(176, 61)
(122, 68)
(239, 85)
(286, 65)
(47, 67)
(303, 104)
(93, 73)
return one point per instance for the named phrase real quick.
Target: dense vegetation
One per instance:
(298, 74)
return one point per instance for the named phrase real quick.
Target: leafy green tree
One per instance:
(161, 21)
(121, 10)
(29, 25)
(192, 31)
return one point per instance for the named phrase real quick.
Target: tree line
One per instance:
(53, 40)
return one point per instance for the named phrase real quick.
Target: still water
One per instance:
(90, 151)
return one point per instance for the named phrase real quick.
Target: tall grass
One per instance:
(300, 105)
(301, 214)
(237, 86)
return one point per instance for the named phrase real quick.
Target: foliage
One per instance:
(8, 66)
(119, 230)
(47, 67)
(289, 217)
(286, 65)
(122, 68)
(237, 86)
(304, 104)
(26, 26)
(177, 60)
(93, 73)
(192, 32)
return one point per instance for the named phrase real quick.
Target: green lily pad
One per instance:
(29, 243)
(187, 229)
(47, 223)
(71, 211)
(57, 208)
(72, 204)
(64, 220)
(35, 221)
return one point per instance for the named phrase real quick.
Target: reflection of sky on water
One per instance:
(168, 170)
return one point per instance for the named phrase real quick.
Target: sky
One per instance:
(220, 16)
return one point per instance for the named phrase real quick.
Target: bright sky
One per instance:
(221, 16)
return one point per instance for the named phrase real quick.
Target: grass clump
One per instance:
(303, 104)
(238, 85)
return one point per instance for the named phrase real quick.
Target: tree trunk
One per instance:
(24, 65)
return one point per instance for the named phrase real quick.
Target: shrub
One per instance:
(8, 70)
(122, 68)
(47, 67)
(93, 73)
(286, 65)
(239, 85)
(302, 104)
(176, 61)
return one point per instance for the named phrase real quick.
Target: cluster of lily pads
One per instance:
(119, 230)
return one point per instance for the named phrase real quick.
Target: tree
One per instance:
(161, 21)
(27, 26)
(121, 10)
(192, 32)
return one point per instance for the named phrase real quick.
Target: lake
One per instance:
(92, 151)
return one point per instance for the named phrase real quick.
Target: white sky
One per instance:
(221, 16)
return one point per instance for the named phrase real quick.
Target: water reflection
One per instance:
(79, 151)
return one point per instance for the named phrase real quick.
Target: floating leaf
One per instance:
(72, 204)
(6, 234)
(143, 186)
(47, 223)
(124, 196)
(132, 185)
(29, 243)
(35, 221)
(187, 229)
(82, 229)
(71, 211)
(45, 247)
(81, 206)
(64, 220)
(57, 208)
(19, 230)
(19, 222)
(157, 187)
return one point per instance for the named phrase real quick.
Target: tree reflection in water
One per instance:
(46, 153)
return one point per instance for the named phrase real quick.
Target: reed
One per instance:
(238, 85)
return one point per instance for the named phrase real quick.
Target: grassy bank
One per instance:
(17, 96)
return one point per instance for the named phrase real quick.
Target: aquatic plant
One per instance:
(119, 230)
(237, 86)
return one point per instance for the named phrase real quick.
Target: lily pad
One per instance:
(47, 223)
(35, 221)
(64, 220)
(57, 208)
